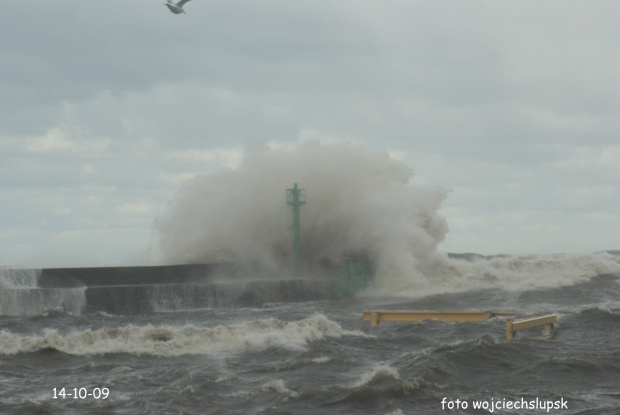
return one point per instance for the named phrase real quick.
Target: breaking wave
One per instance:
(505, 272)
(360, 203)
(254, 335)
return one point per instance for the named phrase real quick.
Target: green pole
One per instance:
(295, 198)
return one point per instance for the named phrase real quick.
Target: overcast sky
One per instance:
(108, 106)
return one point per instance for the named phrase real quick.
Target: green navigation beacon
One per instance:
(295, 198)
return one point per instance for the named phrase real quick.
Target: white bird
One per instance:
(176, 8)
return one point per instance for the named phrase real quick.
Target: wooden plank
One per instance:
(535, 321)
(374, 318)
(378, 316)
(546, 320)
(510, 333)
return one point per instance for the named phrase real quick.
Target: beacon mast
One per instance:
(295, 198)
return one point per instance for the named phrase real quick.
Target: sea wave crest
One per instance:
(252, 335)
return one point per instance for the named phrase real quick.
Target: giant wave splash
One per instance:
(360, 203)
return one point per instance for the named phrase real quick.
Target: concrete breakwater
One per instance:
(146, 289)
(138, 275)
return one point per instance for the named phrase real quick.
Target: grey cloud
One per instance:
(468, 91)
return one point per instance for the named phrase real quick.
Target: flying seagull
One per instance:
(176, 8)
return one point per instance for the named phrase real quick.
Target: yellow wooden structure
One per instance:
(512, 326)
(375, 317)
(545, 320)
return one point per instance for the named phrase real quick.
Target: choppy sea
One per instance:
(319, 357)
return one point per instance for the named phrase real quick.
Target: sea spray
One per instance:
(18, 278)
(360, 202)
(20, 294)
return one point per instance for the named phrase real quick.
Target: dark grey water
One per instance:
(315, 357)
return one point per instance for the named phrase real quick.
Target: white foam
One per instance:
(279, 386)
(377, 373)
(252, 335)
(33, 301)
(509, 273)
(237, 395)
